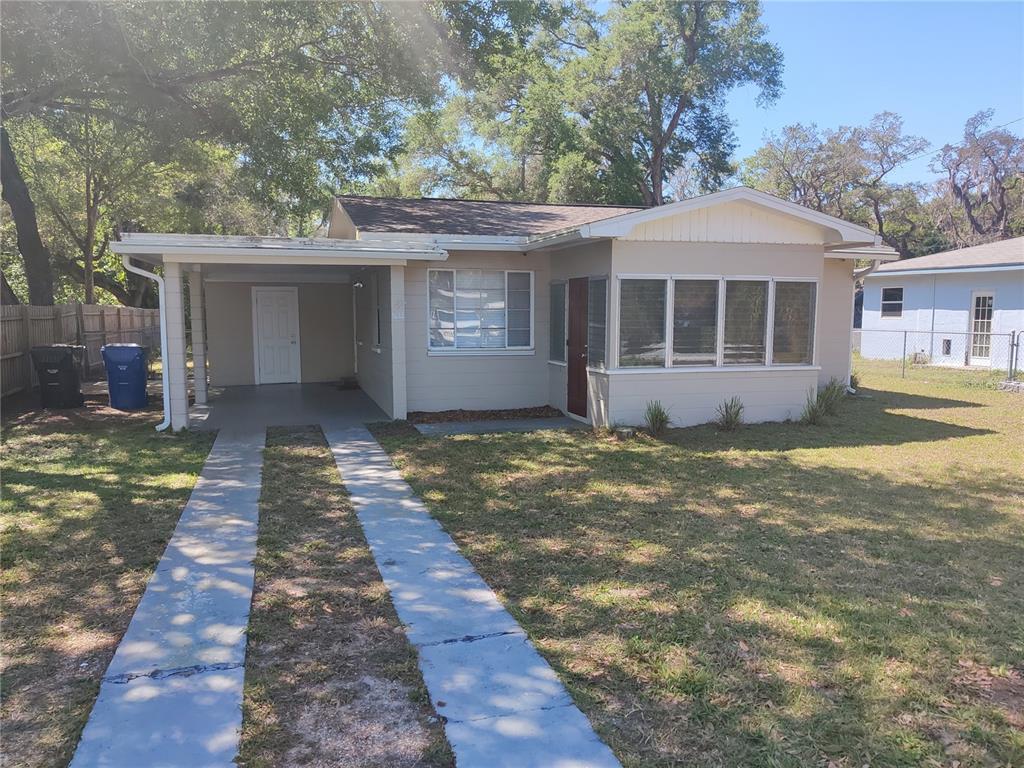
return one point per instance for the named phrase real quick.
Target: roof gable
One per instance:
(740, 214)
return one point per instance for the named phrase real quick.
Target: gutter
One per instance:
(126, 261)
(860, 274)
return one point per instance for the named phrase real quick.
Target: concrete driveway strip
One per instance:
(172, 695)
(504, 705)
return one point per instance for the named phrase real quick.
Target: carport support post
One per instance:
(174, 355)
(397, 302)
(196, 314)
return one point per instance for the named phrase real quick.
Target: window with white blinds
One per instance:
(480, 309)
(793, 342)
(678, 322)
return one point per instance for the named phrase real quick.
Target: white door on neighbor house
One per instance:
(276, 335)
(981, 328)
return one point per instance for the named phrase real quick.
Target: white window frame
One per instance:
(670, 280)
(456, 351)
(565, 321)
(882, 302)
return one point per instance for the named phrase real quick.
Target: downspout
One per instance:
(860, 274)
(126, 260)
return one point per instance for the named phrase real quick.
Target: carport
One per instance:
(278, 310)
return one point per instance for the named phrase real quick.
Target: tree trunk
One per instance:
(38, 272)
(7, 295)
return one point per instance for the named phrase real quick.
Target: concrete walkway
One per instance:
(498, 425)
(172, 694)
(504, 705)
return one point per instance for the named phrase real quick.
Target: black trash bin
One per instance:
(126, 375)
(57, 367)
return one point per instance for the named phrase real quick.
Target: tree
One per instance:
(626, 99)
(844, 172)
(306, 93)
(982, 195)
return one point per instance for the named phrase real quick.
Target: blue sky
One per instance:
(934, 63)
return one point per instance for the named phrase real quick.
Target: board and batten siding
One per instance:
(440, 381)
(325, 331)
(734, 222)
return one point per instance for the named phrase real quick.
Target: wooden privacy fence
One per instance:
(24, 326)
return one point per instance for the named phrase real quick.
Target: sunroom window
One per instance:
(793, 329)
(695, 322)
(746, 317)
(597, 321)
(642, 323)
(557, 327)
(480, 309)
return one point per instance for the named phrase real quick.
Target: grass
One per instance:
(330, 678)
(90, 498)
(786, 595)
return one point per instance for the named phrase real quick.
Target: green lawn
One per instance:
(90, 498)
(842, 595)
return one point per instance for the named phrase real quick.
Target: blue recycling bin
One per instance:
(126, 375)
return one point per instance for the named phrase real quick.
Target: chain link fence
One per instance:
(995, 354)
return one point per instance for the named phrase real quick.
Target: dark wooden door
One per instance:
(576, 400)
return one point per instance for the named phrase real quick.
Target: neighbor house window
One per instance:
(557, 351)
(746, 316)
(642, 323)
(892, 302)
(480, 309)
(793, 328)
(695, 322)
(597, 322)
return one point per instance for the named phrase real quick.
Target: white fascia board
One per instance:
(620, 226)
(942, 271)
(233, 250)
(873, 252)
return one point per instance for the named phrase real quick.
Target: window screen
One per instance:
(746, 312)
(642, 323)
(793, 341)
(597, 311)
(557, 350)
(695, 322)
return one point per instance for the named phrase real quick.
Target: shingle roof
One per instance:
(1002, 252)
(470, 217)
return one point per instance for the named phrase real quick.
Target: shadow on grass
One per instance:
(714, 606)
(90, 498)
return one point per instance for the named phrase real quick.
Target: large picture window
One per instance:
(480, 309)
(793, 327)
(557, 351)
(597, 322)
(641, 323)
(715, 321)
(746, 318)
(695, 322)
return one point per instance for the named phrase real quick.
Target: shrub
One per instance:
(831, 395)
(656, 418)
(730, 414)
(814, 410)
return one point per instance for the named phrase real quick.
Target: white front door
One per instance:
(275, 313)
(981, 328)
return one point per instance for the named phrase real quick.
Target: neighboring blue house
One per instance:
(957, 307)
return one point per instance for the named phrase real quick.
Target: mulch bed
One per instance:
(440, 417)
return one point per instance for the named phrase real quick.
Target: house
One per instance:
(953, 308)
(596, 310)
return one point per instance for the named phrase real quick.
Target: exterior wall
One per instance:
(325, 331)
(438, 381)
(691, 398)
(374, 366)
(943, 304)
(834, 322)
